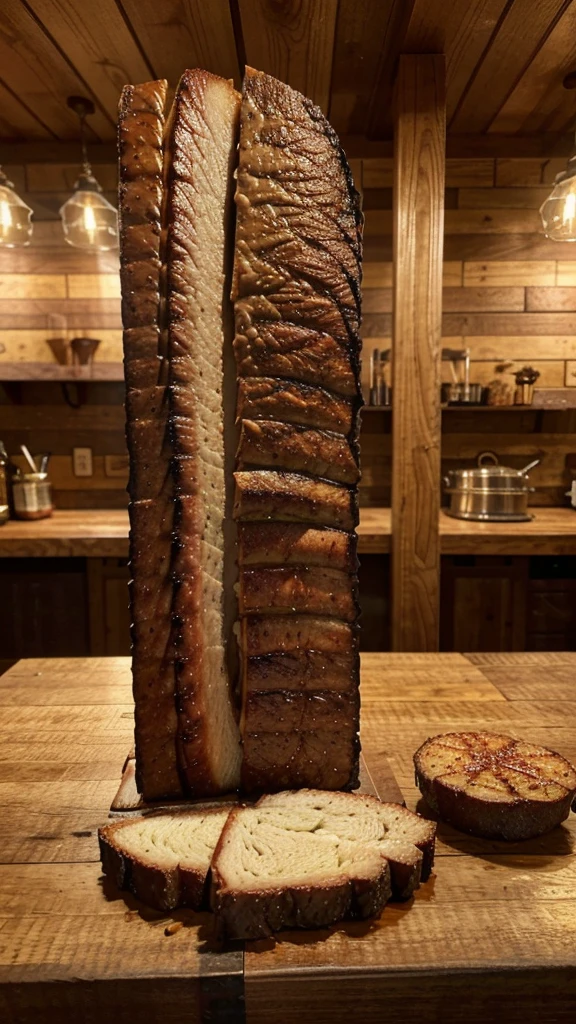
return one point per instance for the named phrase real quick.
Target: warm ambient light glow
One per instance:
(558, 212)
(15, 216)
(89, 220)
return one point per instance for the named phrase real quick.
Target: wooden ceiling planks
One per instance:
(462, 31)
(16, 122)
(506, 60)
(365, 35)
(180, 34)
(293, 40)
(539, 103)
(40, 75)
(98, 43)
(521, 32)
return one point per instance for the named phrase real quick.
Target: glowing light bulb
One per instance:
(5, 215)
(558, 211)
(15, 216)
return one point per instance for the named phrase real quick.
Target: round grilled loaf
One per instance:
(495, 786)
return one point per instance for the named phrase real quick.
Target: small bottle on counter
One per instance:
(4, 504)
(32, 494)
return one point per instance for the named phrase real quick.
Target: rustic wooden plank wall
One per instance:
(50, 293)
(510, 296)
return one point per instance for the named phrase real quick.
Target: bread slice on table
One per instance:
(308, 858)
(163, 857)
(495, 786)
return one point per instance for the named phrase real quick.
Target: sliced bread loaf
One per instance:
(493, 785)
(307, 858)
(163, 857)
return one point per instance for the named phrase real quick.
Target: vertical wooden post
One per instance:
(418, 218)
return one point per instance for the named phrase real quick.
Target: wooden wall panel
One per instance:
(418, 231)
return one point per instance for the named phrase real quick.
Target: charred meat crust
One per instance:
(140, 128)
(296, 544)
(301, 670)
(299, 589)
(319, 453)
(318, 759)
(290, 401)
(291, 497)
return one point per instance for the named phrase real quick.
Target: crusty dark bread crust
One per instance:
(163, 889)
(261, 912)
(511, 814)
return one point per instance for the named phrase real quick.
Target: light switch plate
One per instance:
(82, 462)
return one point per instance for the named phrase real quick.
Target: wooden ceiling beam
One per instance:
(358, 147)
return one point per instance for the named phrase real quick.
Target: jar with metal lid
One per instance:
(32, 493)
(4, 505)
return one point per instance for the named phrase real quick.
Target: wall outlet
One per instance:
(82, 461)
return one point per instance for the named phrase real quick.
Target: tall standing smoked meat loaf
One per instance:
(140, 132)
(175, 214)
(296, 288)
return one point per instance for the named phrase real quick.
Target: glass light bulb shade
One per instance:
(90, 221)
(15, 219)
(558, 212)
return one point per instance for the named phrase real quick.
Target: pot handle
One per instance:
(531, 465)
(487, 458)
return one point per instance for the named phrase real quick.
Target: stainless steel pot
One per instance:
(489, 492)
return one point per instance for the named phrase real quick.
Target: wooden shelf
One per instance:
(103, 533)
(53, 371)
(551, 532)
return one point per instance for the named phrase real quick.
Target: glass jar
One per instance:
(32, 496)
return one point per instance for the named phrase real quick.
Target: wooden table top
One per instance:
(103, 533)
(494, 927)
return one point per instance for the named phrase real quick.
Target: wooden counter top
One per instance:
(81, 533)
(101, 533)
(551, 532)
(494, 927)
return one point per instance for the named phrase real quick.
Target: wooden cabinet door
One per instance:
(483, 604)
(109, 612)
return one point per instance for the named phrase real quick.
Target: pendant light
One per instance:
(15, 216)
(558, 211)
(89, 221)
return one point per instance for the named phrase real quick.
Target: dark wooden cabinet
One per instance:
(43, 608)
(483, 603)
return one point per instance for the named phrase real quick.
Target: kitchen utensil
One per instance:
(32, 493)
(455, 394)
(29, 459)
(44, 462)
(489, 492)
(466, 397)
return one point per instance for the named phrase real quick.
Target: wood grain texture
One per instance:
(84, 34)
(512, 47)
(293, 41)
(362, 37)
(418, 225)
(508, 908)
(509, 272)
(549, 300)
(461, 31)
(41, 76)
(536, 103)
(176, 35)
